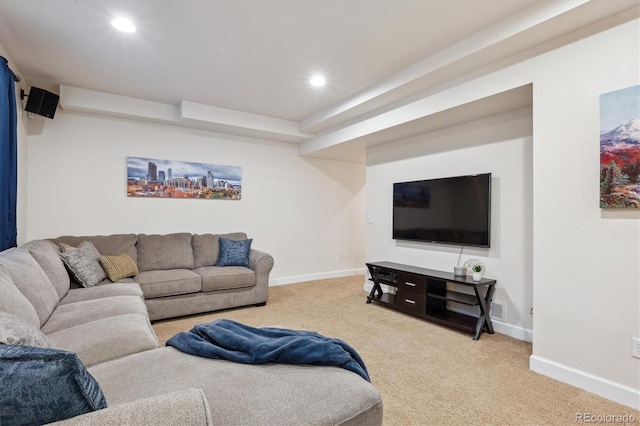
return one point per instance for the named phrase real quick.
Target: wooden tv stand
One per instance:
(423, 293)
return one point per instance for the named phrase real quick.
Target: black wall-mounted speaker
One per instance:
(42, 102)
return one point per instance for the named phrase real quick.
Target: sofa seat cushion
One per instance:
(171, 251)
(123, 280)
(168, 283)
(31, 280)
(323, 395)
(129, 288)
(72, 314)
(107, 338)
(228, 277)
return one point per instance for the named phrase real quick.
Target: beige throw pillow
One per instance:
(119, 267)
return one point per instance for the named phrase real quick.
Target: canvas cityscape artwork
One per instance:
(620, 148)
(149, 177)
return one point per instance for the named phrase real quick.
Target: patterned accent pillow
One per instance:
(41, 385)
(234, 253)
(83, 263)
(119, 267)
(14, 331)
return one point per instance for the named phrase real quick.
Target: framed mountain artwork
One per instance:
(620, 148)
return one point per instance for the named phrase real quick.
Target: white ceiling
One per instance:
(256, 57)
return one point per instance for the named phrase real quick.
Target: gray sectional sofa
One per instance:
(108, 327)
(177, 272)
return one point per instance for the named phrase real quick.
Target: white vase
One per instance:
(477, 276)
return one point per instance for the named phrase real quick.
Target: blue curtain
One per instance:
(8, 157)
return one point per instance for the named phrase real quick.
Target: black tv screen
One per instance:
(453, 210)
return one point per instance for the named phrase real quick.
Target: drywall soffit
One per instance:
(187, 114)
(354, 149)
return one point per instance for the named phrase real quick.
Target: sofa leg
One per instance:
(261, 304)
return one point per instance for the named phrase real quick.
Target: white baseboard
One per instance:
(498, 326)
(511, 330)
(605, 388)
(318, 276)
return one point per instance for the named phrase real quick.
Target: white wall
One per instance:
(302, 211)
(585, 261)
(501, 145)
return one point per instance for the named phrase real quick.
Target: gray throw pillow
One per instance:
(234, 253)
(14, 331)
(41, 385)
(84, 264)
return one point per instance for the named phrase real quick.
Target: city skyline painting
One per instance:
(156, 178)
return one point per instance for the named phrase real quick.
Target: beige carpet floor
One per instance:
(426, 374)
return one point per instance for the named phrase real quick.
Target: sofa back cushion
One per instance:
(13, 301)
(109, 245)
(47, 254)
(31, 280)
(161, 252)
(206, 247)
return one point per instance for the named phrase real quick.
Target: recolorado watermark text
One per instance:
(591, 418)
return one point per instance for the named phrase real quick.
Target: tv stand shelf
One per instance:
(423, 293)
(454, 296)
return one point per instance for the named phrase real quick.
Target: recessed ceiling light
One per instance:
(124, 25)
(318, 80)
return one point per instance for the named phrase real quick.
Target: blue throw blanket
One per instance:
(226, 339)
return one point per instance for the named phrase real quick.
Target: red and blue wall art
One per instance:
(620, 148)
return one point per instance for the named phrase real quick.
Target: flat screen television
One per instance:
(452, 210)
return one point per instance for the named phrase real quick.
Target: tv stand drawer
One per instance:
(411, 302)
(412, 283)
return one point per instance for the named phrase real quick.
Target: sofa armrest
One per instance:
(261, 263)
(185, 407)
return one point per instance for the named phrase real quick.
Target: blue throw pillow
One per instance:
(234, 253)
(42, 385)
